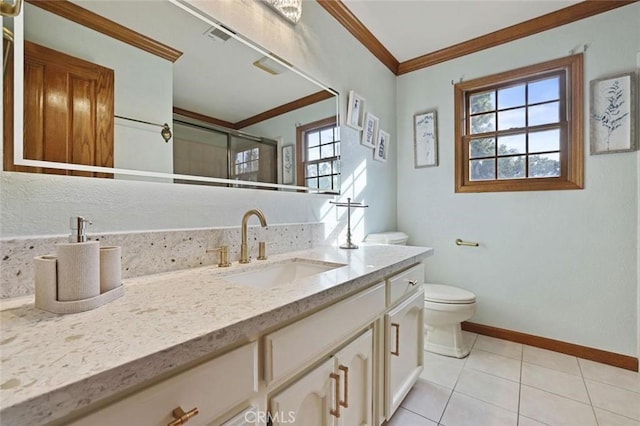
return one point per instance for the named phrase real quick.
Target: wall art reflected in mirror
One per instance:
(154, 91)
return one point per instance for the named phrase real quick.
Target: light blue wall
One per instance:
(558, 264)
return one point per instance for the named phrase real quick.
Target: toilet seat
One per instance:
(438, 293)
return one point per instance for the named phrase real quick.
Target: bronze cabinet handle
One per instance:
(413, 282)
(336, 412)
(345, 402)
(397, 351)
(180, 417)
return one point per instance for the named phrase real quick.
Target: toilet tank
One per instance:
(398, 238)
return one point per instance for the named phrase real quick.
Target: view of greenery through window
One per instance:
(515, 131)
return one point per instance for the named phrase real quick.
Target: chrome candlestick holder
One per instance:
(349, 205)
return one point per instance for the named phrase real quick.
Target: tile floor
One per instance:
(505, 383)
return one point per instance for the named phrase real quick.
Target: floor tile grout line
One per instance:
(535, 420)
(609, 384)
(584, 382)
(501, 354)
(417, 414)
(487, 402)
(618, 414)
(444, 410)
(494, 375)
(581, 375)
(557, 394)
(520, 385)
(552, 368)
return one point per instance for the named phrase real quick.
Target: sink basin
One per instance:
(281, 273)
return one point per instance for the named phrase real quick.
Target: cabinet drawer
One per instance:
(294, 346)
(213, 387)
(404, 283)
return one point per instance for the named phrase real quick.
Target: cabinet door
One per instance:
(404, 352)
(355, 364)
(310, 401)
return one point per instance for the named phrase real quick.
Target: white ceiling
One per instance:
(212, 77)
(412, 28)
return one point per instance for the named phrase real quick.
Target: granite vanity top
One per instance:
(52, 365)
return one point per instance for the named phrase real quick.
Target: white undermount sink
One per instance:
(281, 273)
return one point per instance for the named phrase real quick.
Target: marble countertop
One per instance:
(52, 365)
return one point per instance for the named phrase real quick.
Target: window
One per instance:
(318, 153)
(521, 130)
(247, 164)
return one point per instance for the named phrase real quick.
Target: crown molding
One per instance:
(274, 112)
(542, 23)
(82, 16)
(283, 109)
(347, 19)
(204, 118)
(560, 17)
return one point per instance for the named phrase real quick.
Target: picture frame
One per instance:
(382, 146)
(355, 110)
(370, 130)
(288, 165)
(612, 114)
(425, 139)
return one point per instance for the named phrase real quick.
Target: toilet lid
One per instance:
(447, 294)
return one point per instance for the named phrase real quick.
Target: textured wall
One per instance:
(558, 264)
(146, 253)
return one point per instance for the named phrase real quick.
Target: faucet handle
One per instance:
(262, 250)
(223, 260)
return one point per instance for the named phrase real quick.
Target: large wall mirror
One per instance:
(170, 94)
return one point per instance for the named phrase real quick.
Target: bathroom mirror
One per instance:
(230, 106)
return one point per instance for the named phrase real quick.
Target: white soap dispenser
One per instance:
(78, 264)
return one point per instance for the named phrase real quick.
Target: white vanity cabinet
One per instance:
(337, 392)
(211, 389)
(348, 364)
(404, 356)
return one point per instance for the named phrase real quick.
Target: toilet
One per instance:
(445, 307)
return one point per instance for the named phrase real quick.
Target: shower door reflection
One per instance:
(203, 151)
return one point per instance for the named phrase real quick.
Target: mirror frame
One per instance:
(18, 136)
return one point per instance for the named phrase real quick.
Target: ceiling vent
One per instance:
(219, 34)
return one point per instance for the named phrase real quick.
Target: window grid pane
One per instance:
(322, 149)
(530, 152)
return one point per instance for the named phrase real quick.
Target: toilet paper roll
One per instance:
(46, 280)
(110, 268)
(78, 270)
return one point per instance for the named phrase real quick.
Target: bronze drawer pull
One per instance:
(180, 417)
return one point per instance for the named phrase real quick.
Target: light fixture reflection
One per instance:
(290, 9)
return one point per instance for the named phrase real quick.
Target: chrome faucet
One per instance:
(244, 248)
